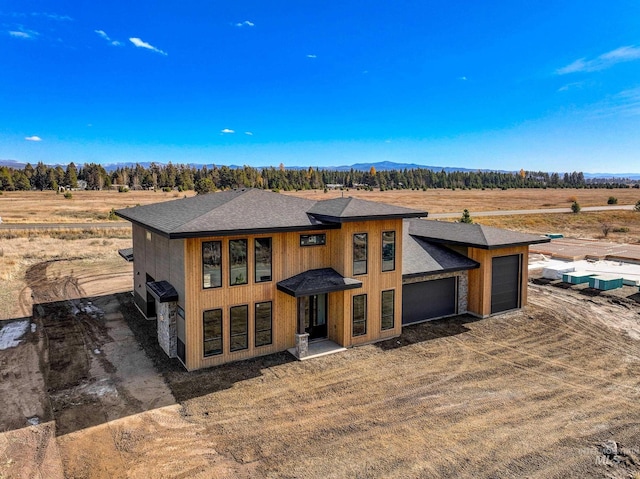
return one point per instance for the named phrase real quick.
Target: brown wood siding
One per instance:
(479, 302)
(288, 259)
(373, 282)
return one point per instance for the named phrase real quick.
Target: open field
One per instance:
(87, 206)
(89, 394)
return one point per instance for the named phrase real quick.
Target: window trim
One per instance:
(366, 254)
(255, 260)
(219, 285)
(393, 309)
(246, 262)
(246, 332)
(255, 324)
(221, 337)
(394, 251)
(323, 241)
(353, 319)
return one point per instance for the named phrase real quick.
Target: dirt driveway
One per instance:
(534, 393)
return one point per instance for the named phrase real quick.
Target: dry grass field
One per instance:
(88, 206)
(89, 394)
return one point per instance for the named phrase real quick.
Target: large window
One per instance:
(211, 264)
(388, 250)
(263, 323)
(239, 328)
(387, 319)
(359, 327)
(262, 255)
(238, 262)
(212, 327)
(360, 253)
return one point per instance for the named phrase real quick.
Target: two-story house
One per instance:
(244, 273)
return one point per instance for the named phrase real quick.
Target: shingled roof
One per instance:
(474, 235)
(254, 211)
(354, 209)
(420, 258)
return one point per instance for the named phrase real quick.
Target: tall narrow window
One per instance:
(262, 257)
(360, 253)
(263, 323)
(212, 328)
(239, 328)
(388, 251)
(211, 264)
(238, 262)
(359, 326)
(387, 320)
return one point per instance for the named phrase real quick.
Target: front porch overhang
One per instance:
(162, 291)
(317, 281)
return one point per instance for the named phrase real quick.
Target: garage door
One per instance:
(505, 283)
(428, 300)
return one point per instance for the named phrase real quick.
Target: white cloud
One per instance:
(52, 16)
(625, 103)
(246, 23)
(141, 44)
(462, 78)
(571, 86)
(312, 56)
(606, 60)
(33, 138)
(227, 130)
(23, 33)
(250, 133)
(102, 34)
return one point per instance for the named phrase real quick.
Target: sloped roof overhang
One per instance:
(317, 281)
(162, 291)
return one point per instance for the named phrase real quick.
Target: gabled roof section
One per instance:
(317, 281)
(341, 210)
(474, 235)
(420, 258)
(226, 213)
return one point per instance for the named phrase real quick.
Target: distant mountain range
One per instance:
(379, 166)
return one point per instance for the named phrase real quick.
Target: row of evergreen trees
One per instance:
(204, 178)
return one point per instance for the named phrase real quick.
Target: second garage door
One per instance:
(429, 300)
(505, 283)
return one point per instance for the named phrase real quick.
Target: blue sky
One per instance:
(539, 85)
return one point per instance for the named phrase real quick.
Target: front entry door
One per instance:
(315, 316)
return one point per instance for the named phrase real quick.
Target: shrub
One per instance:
(112, 215)
(620, 229)
(167, 189)
(575, 207)
(122, 189)
(68, 195)
(606, 227)
(612, 200)
(637, 206)
(466, 217)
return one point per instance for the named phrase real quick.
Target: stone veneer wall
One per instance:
(166, 318)
(463, 286)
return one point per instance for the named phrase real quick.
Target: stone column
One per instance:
(167, 332)
(302, 345)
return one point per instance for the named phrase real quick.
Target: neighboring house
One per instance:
(244, 273)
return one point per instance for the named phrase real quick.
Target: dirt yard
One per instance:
(538, 393)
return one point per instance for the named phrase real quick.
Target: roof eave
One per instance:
(347, 219)
(249, 231)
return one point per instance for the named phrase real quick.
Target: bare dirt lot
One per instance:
(534, 393)
(87, 392)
